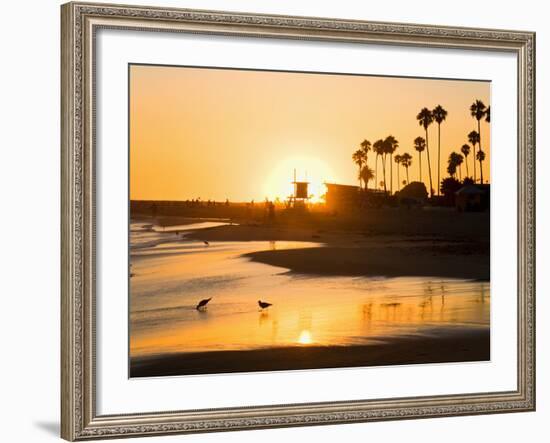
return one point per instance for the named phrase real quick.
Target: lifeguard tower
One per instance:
(301, 196)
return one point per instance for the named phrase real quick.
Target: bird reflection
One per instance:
(366, 317)
(391, 310)
(263, 317)
(482, 298)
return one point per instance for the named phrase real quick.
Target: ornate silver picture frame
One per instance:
(80, 22)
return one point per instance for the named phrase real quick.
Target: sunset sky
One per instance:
(218, 134)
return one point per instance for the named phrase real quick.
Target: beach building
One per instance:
(347, 198)
(300, 196)
(342, 197)
(473, 198)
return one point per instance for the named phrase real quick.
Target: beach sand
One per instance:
(442, 347)
(356, 253)
(377, 261)
(413, 246)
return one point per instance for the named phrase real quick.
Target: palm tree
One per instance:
(398, 159)
(419, 145)
(378, 148)
(481, 157)
(390, 145)
(473, 138)
(406, 161)
(366, 147)
(384, 152)
(425, 118)
(439, 115)
(482, 154)
(359, 157)
(478, 111)
(451, 164)
(455, 160)
(466, 152)
(366, 175)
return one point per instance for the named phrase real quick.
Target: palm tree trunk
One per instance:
(366, 181)
(398, 178)
(360, 176)
(438, 154)
(474, 158)
(460, 171)
(407, 169)
(375, 171)
(480, 171)
(479, 147)
(429, 166)
(467, 171)
(391, 174)
(420, 166)
(384, 171)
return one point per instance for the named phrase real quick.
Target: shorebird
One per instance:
(206, 243)
(264, 304)
(202, 304)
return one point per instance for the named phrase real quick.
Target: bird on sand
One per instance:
(202, 304)
(206, 243)
(264, 304)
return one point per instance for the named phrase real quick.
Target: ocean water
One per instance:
(171, 274)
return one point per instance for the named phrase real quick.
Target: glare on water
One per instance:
(170, 275)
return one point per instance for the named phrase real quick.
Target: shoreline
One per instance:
(355, 253)
(168, 221)
(466, 345)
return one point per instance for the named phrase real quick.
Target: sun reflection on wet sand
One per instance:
(305, 338)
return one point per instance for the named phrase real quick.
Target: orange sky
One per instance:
(218, 134)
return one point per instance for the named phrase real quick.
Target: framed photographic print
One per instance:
(282, 221)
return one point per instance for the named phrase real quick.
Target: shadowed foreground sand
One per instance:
(441, 347)
(377, 261)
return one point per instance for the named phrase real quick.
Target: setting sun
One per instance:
(309, 169)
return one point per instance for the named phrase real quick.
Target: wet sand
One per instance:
(377, 261)
(352, 252)
(359, 254)
(441, 347)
